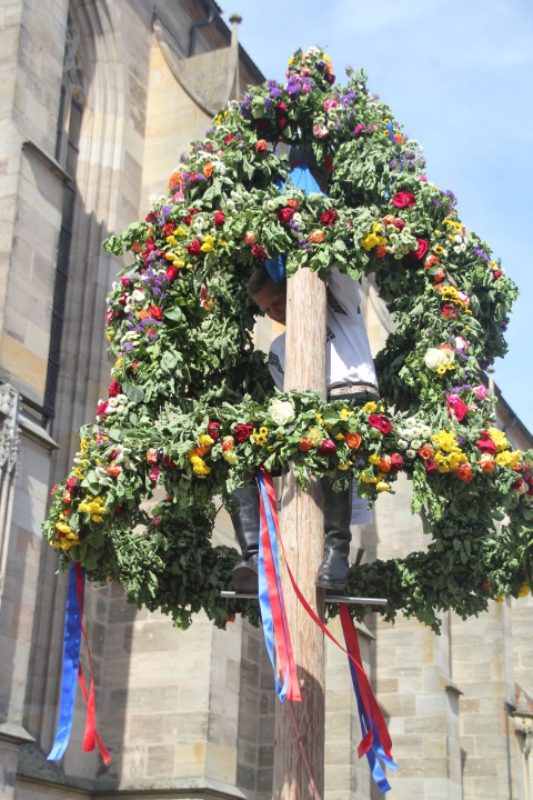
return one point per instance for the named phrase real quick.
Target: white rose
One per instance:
(137, 296)
(449, 356)
(281, 411)
(410, 453)
(402, 444)
(434, 358)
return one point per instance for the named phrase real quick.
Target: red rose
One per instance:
(485, 444)
(260, 146)
(194, 248)
(156, 312)
(305, 445)
(114, 470)
(213, 429)
(327, 447)
(250, 238)
(258, 252)
(285, 214)
(404, 200)
(219, 218)
(449, 311)
(242, 431)
(430, 467)
(168, 229)
(187, 219)
(422, 249)
(496, 274)
(380, 422)
(282, 118)
(396, 461)
(167, 462)
(126, 281)
(228, 138)
(328, 217)
(114, 388)
(101, 409)
(171, 272)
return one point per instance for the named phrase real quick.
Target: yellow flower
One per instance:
(507, 458)
(345, 465)
(446, 441)
(205, 440)
(96, 518)
(524, 590)
(315, 436)
(171, 240)
(200, 468)
(438, 249)
(181, 230)
(500, 598)
(319, 418)
(221, 243)
(339, 437)
(368, 478)
(208, 244)
(372, 240)
(374, 459)
(84, 445)
(370, 407)
(345, 413)
(63, 527)
(499, 438)
(78, 473)
(383, 486)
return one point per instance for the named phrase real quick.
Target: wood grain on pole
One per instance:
(303, 535)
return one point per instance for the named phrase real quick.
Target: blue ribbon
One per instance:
(264, 599)
(375, 754)
(71, 661)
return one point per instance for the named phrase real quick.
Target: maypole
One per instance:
(299, 730)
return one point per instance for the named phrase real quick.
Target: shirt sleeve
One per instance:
(345, 292)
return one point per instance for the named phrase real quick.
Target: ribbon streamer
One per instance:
(376, 743)
(275, 627)
(73, 632)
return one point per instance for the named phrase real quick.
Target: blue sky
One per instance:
(458, 75)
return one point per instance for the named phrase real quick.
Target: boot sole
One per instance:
(244, 580)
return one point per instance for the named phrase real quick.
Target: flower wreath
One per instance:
(191, 411)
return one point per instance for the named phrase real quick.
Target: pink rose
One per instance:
(327, 447)
(422, 249)
(320, 131)
(481, 392)
(328, 104)
(459, 408)
(396, 461)
(213, 429)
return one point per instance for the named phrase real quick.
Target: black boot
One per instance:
(245, 520)
(333, 571)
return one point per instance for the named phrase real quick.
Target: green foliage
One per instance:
(192, 413)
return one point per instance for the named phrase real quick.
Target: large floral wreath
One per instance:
(192, 412)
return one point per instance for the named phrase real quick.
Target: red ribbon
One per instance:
(352, 651)
(91, 737)
(285, 656)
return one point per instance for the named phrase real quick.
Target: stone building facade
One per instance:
(98, 98)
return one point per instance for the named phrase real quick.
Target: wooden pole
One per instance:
(301, 725)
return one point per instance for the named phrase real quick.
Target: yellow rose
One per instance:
(383, 486)
(205, 440)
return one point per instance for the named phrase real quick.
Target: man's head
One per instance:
(269, 296)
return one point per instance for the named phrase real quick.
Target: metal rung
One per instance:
(329, 598)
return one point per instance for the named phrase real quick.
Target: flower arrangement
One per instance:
(191, 411)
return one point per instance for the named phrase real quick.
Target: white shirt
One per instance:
(348, 356)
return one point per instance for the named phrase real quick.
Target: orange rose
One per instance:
(114, 470)
(305, 445)
(487, 463)
(385, 464)
(464, 472)
(292, 204)
(353, 440)
(381, 251)
(136, 246)
(200, 451)
(426, 452)
(398, 138)
(317, 236)
(208, 169)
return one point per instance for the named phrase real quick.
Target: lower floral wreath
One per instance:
(138, 506)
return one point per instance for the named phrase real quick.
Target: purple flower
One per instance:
(274, 89)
